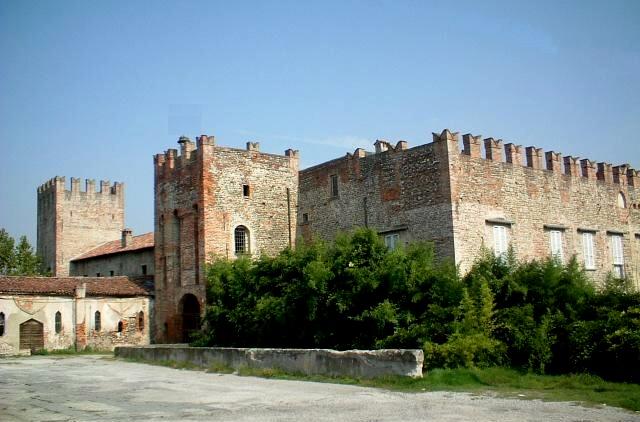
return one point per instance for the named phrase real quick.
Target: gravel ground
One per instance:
(98, 388)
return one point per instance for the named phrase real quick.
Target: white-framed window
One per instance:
(617, 255)
(392, 241)
(500, 240)
(555, 243)
(588, 251)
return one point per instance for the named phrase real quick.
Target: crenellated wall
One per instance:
(533, 193)
(202, 194)
(72, 221)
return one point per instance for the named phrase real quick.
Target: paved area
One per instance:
(98, 388)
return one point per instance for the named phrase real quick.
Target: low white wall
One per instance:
(351, 363)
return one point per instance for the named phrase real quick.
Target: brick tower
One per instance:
(71, 222)
(215, 201)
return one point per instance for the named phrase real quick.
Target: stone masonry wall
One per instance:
(534, 193)
(395, 190)
(71, 222)
(200, 200)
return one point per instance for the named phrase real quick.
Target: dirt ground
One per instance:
(100, 388)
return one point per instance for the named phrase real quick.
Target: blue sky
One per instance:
(94, 89)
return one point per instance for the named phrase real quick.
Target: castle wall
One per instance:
(200, 199)
(127, 263)
(73, 221)
(394, 191)
(532, 194)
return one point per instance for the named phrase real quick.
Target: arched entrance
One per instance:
(31, 335)
(190, 310)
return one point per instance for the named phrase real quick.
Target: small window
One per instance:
(305, 218)
(246, 191)
(97, 274)
(617, 255)
(241, 235)
(555, 243)
(141, 321)
(120, 326)
(1, 324)
(334, 185)
(392, 241)
(500, 241)
(622, 201)
(144, 270)
(97, 321)
(111, 273)
(588, 251)
(58, 322)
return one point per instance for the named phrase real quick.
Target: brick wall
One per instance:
(72, 221)
(200, 200)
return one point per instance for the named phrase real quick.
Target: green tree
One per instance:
(18, 259)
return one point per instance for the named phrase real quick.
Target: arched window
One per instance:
(141, 321)
(241, 236)
(58, 322)
(1, 324)
(97, 321)
(622, 201)
(120, 326)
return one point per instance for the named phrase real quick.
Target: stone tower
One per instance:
(71, 222)
(215, 201)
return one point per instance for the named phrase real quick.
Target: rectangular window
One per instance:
(588, 251)
(144, 270)
(246, 191)
(617, 255)
(334, 185)
(305, 218)
(500, 240)
(97, 274)
(392, 241)
(555, 242)
(111, 273)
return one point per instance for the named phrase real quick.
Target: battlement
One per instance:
(59, 184)
(189, 151)
(535, 158)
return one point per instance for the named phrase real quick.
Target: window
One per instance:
(241, 237)
(617, 255)
(305, 218)
(392, 241)
(622, 202)
(141, 321)
(97, 322)
(144, 270)
(555, 242)
(1, 324)
(58, 322)
(500, 240)
(334, 185)
(111, 273)
(120, 326)
(246, 191)
(97, 274)
(588, 251)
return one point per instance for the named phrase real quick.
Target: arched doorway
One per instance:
(31, 335)
(190, 310)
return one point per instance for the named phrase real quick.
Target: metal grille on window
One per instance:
(334, 185)
(97, 321)
(241, 240)
(58, 322)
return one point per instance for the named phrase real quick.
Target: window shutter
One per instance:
(587, 248)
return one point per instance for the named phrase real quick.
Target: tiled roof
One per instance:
(65, 286)
(115, 246)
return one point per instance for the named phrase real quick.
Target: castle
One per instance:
(217, 201)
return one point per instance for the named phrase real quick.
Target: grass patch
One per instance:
(70, 351)
(583, 388)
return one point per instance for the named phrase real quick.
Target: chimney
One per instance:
(127, 235)
(81, 291)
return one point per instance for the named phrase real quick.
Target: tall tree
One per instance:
(18, 259)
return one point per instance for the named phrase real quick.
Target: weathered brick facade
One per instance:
(439, 193)
(202, 196)
(71, 222)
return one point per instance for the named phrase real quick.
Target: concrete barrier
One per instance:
(350, 363)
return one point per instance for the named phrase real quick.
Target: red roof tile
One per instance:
(115, 246)
(65, 286)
